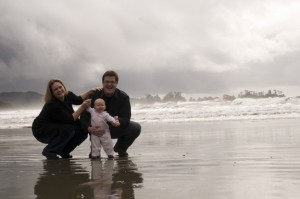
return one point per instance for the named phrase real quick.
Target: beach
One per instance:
(210, 160)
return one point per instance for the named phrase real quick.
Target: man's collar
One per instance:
(115, 95)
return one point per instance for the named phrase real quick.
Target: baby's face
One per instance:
(99, 105)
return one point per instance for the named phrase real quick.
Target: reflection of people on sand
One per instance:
(114, 181)
(61, 180)
(125, 178)
(102, 178)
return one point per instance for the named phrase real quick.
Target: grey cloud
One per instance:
(6, 54)
(194, 47)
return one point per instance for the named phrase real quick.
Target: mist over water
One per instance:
(176, 112)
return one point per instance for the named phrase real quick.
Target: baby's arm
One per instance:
(89, 109)
(112, 120)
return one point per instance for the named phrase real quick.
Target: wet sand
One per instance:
(232, 160)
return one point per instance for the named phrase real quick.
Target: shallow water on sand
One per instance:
(233, 159)
(227, 160)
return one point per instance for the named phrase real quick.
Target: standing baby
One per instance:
(99, 118)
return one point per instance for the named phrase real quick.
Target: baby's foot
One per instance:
(95, 157)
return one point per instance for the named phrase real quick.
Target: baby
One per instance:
(99, 117)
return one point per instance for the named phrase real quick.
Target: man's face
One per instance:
(109, 85)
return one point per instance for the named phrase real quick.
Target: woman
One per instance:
(58, 124)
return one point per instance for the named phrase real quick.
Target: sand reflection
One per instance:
(61, 180)
(114, 178)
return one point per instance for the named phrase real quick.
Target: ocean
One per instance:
(177, 112)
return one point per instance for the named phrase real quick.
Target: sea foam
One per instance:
(176, 112)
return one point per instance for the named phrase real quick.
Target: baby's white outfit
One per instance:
(101, 119)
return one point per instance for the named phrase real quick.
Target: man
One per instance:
(117, 105)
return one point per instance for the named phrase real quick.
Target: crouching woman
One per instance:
(58, 124)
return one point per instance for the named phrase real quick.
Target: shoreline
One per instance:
(291, 120)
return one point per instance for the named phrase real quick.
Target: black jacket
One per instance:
(58, 111)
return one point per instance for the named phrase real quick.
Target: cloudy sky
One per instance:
(192, 46)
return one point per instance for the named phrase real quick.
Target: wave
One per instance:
(176, 112)
(215, 110)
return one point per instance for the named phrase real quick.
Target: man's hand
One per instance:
(96, 130)
(117, 122)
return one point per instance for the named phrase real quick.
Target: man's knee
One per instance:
(135, 128)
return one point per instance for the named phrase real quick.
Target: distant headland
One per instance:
(175, 96)
(23, 100)
(253, 94)
(29, 99)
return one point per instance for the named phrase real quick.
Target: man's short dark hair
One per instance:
(110, 73)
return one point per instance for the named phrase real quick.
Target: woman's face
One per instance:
(58, 91)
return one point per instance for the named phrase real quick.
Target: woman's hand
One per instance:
(86, 95)
(87, 103)
(95, 89)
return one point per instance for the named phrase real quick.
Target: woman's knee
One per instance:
(80, 134)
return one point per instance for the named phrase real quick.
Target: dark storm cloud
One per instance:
(195, 47)
(6, 53)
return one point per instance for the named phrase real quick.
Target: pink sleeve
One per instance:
(109, 118)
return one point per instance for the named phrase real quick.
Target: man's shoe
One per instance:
(116, 148)
(110, 156)
(123, 154)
